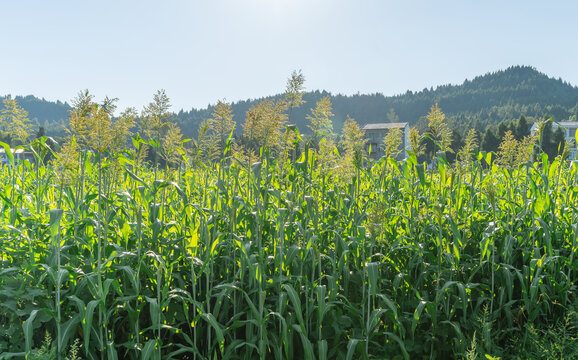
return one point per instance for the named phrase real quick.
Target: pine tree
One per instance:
(490, 142)
(557, 145)
(392, 116)
(547, 139)
(522, 128)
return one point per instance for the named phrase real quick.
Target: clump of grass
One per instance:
(46, 351)
(472, 353)
(74, 351)
(558, 341)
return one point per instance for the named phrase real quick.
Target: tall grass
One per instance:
(241, 260)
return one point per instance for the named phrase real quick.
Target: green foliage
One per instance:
(276, 260)
(315, 253)
(48, 114)
(438, 129)
(490, 142)
(467, 153)
(508, 150)
(522, 128)
(93, 126)
(353, 140)
(46, 351)
(392, 116)
(320, 121)
(478, 103)
(264, 123)
(14, 122)
(415, 141)
(515, 97)
(392, 142)
(221, 124)
(294, 91)
(155, 116)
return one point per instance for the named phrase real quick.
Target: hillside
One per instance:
(477, 103)
(483, 101)
(48, 114)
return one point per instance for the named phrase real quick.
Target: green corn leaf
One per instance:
(135, 177)
(111, 353)
(294, 298)
(87, 322)
(8, 153)
(210, 318)
(149, 351)
(307, 346)
(55, 217)
(417, 316)
(400, 343)
(322, 349)
(372, 274)
(28, 327)
(68, 330)
(351, 346)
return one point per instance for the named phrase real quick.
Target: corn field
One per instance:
(288, 259)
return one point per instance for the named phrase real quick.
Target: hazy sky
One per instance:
(203, 51)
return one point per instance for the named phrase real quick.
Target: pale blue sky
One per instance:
(203, 51)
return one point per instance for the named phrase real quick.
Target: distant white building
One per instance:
(569, 128)
(375, 133)
(19, 155)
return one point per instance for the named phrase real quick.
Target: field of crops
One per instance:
(295, 251)
(288, 261)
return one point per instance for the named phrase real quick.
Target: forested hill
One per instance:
(476, 103)
(51, 115)
(485, 100)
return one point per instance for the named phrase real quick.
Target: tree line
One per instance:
(286, 128)
(153, 137)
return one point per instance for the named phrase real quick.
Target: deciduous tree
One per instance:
(392, 116)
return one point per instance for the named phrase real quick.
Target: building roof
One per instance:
(381, 126)
(566, 124)
(17, 151)
(569, 123)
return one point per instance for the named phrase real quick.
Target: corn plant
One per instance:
(306, 256)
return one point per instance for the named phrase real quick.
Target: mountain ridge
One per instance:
(478, 103)
(484, 101)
